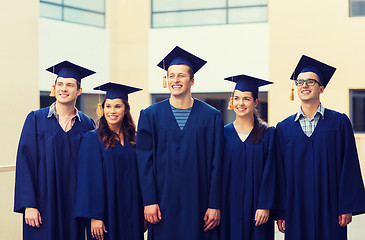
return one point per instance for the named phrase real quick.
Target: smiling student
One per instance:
(47, 159)
(179, 151)
(108, 192)
(324, 187)
(251, 183)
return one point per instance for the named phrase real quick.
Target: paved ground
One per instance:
(356, 229)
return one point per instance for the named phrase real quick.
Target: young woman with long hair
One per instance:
(107, 190)
(249, 172)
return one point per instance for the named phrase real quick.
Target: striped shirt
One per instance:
(308, 125)
(181, 116)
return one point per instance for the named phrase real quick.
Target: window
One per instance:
(88, 12)
(357, 109)
(357, 8)
(175, 13)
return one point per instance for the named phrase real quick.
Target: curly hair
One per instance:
(112, 139)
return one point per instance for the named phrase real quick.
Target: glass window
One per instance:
(189, 18)
(357, 8)
(178, 5)
(247, 14)
(173, 13)
(88, 12)
(83, 17)
(50, 11)
(357, 109)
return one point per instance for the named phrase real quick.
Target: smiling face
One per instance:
(114, 110)
(309, 94)
(66, 90)
(243, 103)
(179, 81)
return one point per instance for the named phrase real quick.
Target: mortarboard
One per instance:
(179, 56)
(246, 83)
(115, 90)
(308, 64)
(68, 69)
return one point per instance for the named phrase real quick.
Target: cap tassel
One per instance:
(99, 109)
(52, 94)
(230, 104)
(292, 94)
(164, 85)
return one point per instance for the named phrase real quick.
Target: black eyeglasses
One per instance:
(309, 82)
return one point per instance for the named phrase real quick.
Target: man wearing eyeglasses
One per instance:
(317, 149)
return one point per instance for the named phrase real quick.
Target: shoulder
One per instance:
(154, 108)
(286, 121)
(91, 135)
(205, 106)
(40, 112)
(86, 118)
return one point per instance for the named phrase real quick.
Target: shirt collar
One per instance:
(319, 111)
(52, 112)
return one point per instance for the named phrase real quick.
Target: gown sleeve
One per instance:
(215, 195)
(90, 188)
(145, 148)
(271, 191)
(26, 167)
(351, 186)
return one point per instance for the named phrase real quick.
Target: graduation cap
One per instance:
(246, 83)
(179, 56)
(68, 69)
(113, 91)
(308, 64)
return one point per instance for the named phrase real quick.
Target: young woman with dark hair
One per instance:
(249, 172)
(108, 190)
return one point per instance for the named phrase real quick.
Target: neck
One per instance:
(117, 128)
(182, 102)
(244, 124)
(65, 110)
(309, 109)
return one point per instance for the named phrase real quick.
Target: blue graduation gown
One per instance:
(108, 189)
(180, 169)
(46, 175)
(250, 182)
(323, 177)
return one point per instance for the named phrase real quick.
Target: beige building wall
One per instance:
(128, 22)
(19, 95)
(322, 30)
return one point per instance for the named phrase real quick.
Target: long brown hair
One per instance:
(112, 139)
(259, 125)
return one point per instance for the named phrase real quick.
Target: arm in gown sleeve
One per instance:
(215, 195)
(90, 188)
(26, 167)
(271, 194)
(351, 192)
(145, 161)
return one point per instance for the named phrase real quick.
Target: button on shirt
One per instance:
(308, 125)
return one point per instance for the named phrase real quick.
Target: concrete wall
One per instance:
(20, 94)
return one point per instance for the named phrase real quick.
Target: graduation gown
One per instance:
(250, 182)
(46, 171)
(108, 189)
(323, 178)
(180, 169)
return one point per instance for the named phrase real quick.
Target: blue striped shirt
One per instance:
(181, 116)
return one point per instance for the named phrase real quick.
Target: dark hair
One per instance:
(112, 139)
(259, 128)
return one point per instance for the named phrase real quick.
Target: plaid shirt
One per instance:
(308, 125)
(52, 112)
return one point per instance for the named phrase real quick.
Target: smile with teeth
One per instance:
(176, 86)
(113, 117)
(306, 91)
